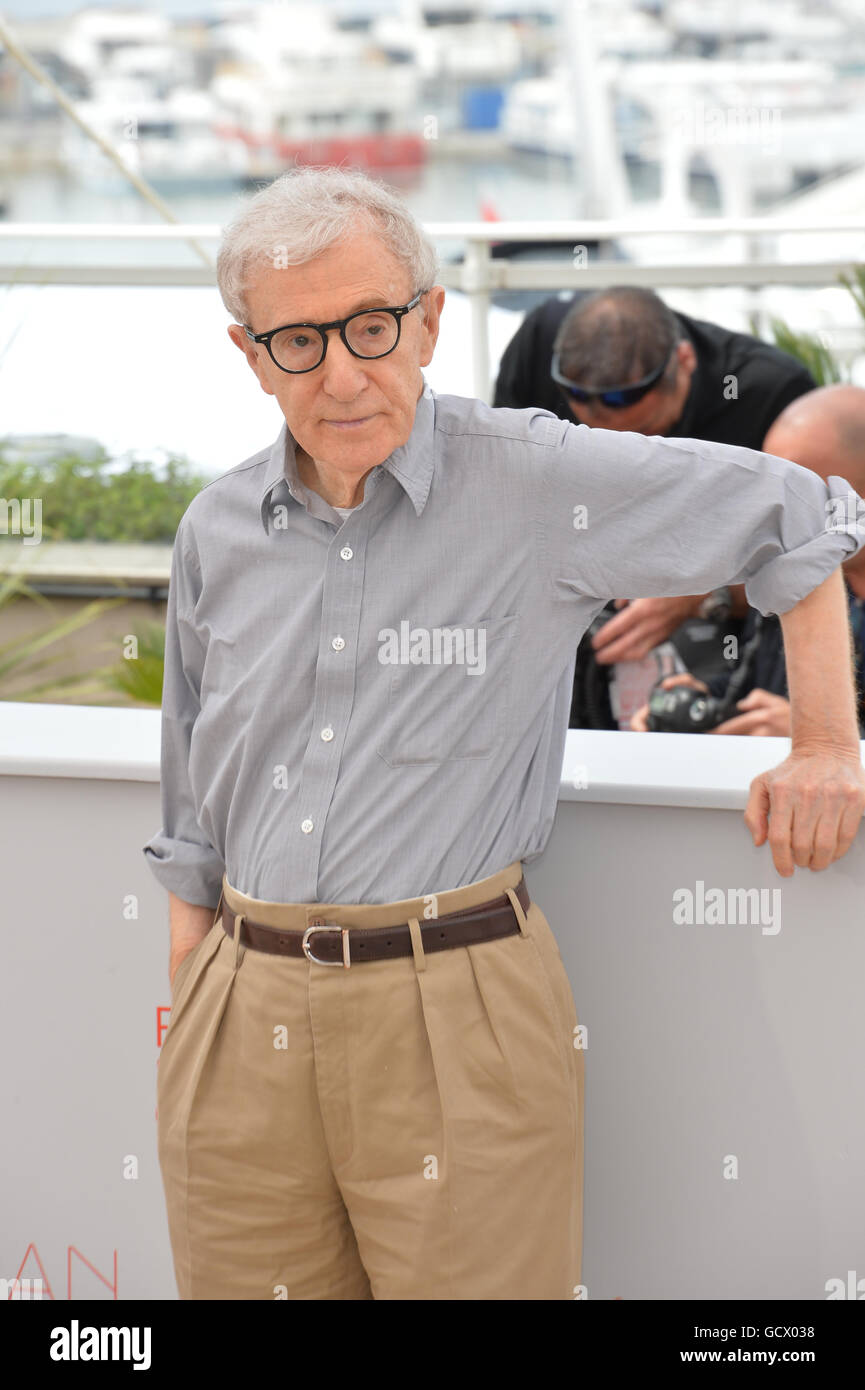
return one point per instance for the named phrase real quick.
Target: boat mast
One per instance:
(602, 179)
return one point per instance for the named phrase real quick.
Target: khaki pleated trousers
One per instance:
(403, 1129)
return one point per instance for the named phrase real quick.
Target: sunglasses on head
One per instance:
(616, 397)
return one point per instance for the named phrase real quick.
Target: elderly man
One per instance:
(823, 431)
(369, 655)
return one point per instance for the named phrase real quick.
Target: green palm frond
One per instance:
(810, 350)
(856, 287)
(141, 677)
(24, 657)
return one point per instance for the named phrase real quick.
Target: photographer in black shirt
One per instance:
(719, 385)
(621, 359)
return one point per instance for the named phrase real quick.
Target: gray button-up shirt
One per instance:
(375, 708)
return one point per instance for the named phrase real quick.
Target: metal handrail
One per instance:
(479, 273)
(558, 229)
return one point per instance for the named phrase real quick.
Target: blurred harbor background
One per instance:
(641, 110)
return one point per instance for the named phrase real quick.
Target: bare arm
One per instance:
(810, 806)
(190, 923)
(819, 657)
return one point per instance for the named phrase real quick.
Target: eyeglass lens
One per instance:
(369, 335)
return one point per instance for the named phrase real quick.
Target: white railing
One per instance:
(707, 1035)
(751, 264)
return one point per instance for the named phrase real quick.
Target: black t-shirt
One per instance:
(766, 379)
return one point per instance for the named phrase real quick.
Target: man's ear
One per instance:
(430, 323)
(251, 353)
(687, 355)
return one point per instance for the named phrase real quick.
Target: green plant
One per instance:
(807, 348)
(856, 287)
(20, 658)
(810, 350)
(92, 499)
(140, 676)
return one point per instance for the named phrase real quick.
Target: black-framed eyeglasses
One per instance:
(301, 347)
(616, 397)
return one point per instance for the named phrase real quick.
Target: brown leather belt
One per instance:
(327, 943)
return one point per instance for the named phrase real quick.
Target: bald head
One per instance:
(824, 430)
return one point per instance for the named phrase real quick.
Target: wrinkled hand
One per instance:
(764, 714)
(640, 626)
(640, 719)
(809, 808)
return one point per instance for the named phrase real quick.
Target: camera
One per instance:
(684, 710)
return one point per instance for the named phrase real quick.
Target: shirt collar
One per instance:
(411, 463)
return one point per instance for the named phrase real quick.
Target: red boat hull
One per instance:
(374, 151)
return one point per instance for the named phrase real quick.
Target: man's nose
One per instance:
(343, 374)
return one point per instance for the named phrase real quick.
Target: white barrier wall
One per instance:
(725, 1129)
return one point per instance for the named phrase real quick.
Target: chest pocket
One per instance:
(449, 692)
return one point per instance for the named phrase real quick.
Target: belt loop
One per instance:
(219, 905)
(417, 944)
(238, 952)
(518, 912)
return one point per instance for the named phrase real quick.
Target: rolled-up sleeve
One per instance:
(179, 854)
(634, 516)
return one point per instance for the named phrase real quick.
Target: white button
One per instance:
(346, 552)
(338, 643)
(327, 734)
(306, 826)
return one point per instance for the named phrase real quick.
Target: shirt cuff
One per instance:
(192, 872)
(794, 574)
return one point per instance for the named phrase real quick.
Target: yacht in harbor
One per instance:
(173, 141)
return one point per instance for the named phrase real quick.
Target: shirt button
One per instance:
(338, 643)
(346, 552)
(306, 826)
(327, 734)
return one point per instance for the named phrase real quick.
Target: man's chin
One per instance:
(362, 449)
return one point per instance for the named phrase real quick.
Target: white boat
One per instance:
(763, 130)
(291, 87)
(172, 141)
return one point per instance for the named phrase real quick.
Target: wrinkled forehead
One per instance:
(355, 273)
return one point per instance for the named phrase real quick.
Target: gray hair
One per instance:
(617, 335)
(305, 212)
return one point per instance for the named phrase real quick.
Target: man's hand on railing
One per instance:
(809, 807)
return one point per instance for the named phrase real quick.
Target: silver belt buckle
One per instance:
(345, 963)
